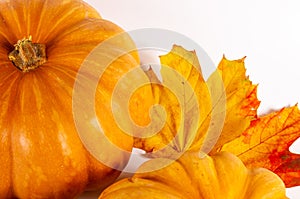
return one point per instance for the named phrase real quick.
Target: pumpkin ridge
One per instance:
(45, 88)
(45, 18)
(247, 182)
(213, 168)
(2, 33)
(73, 28)
(12, 100)
(11, 161)
(147, 184)
(58, 23)
(63, 84)
(72, 9)
(42, 12)
(16, 20)
(183, 165)
(49, 83)
(90, 25)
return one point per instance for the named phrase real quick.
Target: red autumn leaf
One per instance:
(266, 144)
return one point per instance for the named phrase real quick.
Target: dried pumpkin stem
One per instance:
(27, 55)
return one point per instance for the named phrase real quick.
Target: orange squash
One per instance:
(192, 176)
(42, 46)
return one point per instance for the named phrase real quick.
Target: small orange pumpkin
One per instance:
(220, 176)
(42, 46)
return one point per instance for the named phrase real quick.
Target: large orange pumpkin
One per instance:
(42, 46)
(209, 177)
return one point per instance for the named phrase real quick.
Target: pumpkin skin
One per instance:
(220, 176)
(42, 155)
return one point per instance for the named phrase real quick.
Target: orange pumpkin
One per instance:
(42, 46)
(220, 176)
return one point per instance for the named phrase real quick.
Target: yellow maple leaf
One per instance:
(241, 100)
(197, 111)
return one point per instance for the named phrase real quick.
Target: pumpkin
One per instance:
(43, 44)
(192, 176)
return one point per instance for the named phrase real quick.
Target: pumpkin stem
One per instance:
(27, 55)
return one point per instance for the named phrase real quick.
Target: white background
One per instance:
(267, 32)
